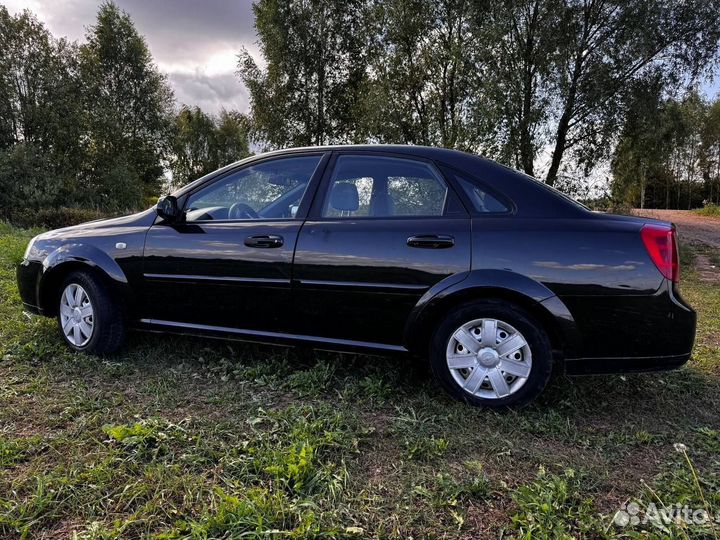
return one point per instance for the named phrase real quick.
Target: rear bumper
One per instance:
(627, 330)
(632, 334)
(598, 366)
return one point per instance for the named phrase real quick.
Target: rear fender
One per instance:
(533, 296)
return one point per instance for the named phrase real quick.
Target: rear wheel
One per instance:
(89, 318)
(491, 353)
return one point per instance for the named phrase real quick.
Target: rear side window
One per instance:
(369, 186)
(482, 201)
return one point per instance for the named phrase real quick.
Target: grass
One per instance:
(712, 210)
(178, 438)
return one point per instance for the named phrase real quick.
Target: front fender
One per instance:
(77, 255)
(528, 293)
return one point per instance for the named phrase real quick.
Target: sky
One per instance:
(194, 42)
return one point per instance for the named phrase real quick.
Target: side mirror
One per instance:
(167, 208)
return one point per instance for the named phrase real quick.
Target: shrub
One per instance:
(709, 210)
(55, 218)
(26, 179)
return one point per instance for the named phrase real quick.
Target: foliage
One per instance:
(40, 116)
(203, 143)
(316, 56)
(507, 79)
(542, 85)
(128, 106)
(56, 218)
(427, 72)
(668, 154)
(709, 210)
(23, 184)
(553, 507)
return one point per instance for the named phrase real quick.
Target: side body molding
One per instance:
(540, 301)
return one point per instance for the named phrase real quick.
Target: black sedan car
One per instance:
(492, 275)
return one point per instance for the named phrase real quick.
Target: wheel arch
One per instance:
(67, 259)
(533, 297)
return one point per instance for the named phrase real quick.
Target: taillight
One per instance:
(661, 245)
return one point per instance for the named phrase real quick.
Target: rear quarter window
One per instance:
(482, 200)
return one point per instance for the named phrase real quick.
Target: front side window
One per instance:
(367, 186)
(268, 190)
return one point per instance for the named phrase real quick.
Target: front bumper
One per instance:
(28, 279)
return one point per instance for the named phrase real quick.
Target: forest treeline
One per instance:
(551, 87)
(95, 125)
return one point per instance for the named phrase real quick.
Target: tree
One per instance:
(203, 143)
(645, 140)
(522, 42)
(710, 152)
(425, 74)
(24, 180)
(316, 63)
(128, 108)
(39, 110)
(668, 154)
(192, 145)
(232, 133)
(607, 46)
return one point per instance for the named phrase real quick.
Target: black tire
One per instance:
(108, 321)
(531, 330)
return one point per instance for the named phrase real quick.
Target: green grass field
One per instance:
(188, 438)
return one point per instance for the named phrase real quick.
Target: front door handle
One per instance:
(431, 241)
(264, 241)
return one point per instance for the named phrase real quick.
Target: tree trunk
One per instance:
(527, 156)
(564, 123)
(642, 188)
(560, 140)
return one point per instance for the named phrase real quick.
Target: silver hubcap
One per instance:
(76, 315)
(489, 358)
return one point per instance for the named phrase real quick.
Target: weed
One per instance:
(554, 507)
(313, 381)
(16, 450)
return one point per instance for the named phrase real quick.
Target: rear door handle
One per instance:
(264, 241)
(431, 241)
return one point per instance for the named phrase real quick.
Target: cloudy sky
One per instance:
(195, 42)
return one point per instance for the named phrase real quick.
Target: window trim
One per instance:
(322, 192)
(305, 201)
(450, 172)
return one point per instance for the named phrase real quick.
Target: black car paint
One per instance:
(356, 284)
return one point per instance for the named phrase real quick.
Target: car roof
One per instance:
(532, 198)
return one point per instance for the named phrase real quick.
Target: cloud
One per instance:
(194, 42)
(210, 92)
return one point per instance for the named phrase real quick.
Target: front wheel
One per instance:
(90, 319)
(491, 354)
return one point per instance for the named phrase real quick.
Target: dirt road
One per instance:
(694, 228)
(690, 226)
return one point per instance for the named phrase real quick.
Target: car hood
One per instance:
(140, 219)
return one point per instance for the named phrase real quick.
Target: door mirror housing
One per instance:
(167, 208)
